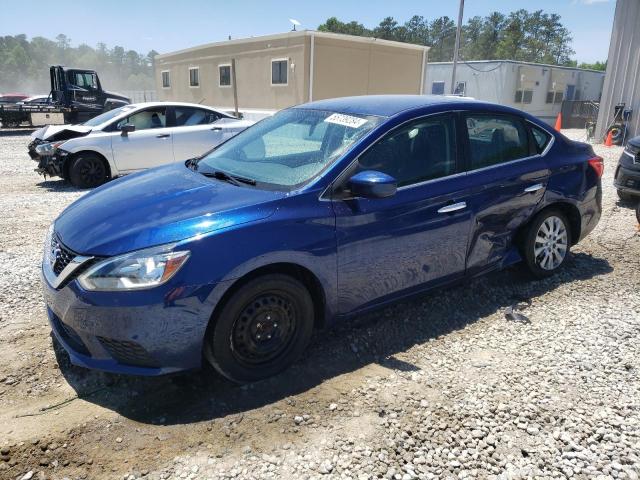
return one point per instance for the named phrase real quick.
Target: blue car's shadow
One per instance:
(372, 338)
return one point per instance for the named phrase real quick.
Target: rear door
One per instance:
(507, 177)
(195, 132)
(150, 145)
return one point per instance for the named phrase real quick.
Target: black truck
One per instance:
(76, 96)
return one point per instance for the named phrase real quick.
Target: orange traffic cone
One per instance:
(558, 126)
(609, 140)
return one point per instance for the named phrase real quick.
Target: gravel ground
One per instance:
(447, 385)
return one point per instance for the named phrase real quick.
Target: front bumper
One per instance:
(149, 332)
(627, 180)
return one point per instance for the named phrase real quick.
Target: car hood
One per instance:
(158, 206)
(51, 133)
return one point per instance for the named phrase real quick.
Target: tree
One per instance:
(352, 28)
(443, 37)
(602, 66)
(417, 30)
(24, 64)
(522, 35)
(387, 30)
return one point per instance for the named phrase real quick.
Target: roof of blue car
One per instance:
(384, 105)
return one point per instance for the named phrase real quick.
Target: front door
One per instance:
(150, 145)
(390, 246)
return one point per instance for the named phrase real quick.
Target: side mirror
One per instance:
(126, 129)
(372, 184)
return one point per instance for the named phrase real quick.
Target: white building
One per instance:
(533, 87)
(622, 85)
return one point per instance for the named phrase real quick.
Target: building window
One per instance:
(166, 79)
(279, 70)
(194, 76)
(550, 96)
(524, 96)
(461, 89)
(437, 88)
(558, 97)
(224, 75)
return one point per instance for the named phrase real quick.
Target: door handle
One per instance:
(454, 207)
(163, 135)
(534, 188)
(217, 129)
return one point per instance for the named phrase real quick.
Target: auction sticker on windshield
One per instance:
(345, 120)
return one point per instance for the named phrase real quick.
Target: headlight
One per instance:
(48, 148)
(136, 270)
(47, 246)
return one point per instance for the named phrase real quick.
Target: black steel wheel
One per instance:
(88, 170)
(261, 329)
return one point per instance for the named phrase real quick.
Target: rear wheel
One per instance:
(262, 329)
(547, 243)
(88, 170)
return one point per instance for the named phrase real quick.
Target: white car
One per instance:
(129, 139)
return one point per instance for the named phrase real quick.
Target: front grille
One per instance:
(631, 183)
(70, 336)
(32, 148)
(61, 256)
(128, 353)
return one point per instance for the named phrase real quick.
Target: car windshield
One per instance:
(289, 148)
(106, 116)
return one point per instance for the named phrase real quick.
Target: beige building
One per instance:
(277, 71)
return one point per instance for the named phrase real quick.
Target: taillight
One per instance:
(597, 164)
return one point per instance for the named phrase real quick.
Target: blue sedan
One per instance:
(313, 215)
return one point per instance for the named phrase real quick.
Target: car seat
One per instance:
(155, 121)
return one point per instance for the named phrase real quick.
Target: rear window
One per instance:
(541, 138)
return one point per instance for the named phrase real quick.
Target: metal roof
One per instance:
(517, 62)
(296, 34)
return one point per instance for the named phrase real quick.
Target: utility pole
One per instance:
(456, 48)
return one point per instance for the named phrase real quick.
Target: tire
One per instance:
(261, 329)
(88, 170)
(638, 213)
(626, 197)
(544, 263)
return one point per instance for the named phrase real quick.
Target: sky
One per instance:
(169, 25)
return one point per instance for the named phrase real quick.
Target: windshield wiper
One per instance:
(192, 163)
(233, 179)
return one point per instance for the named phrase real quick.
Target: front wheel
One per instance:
(261, 330)
(88, 170)
(547, 243)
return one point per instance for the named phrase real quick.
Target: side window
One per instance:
(190, 116)
(166, 79)
(495, 139)
(420, 151)
(279, 71)
(194, 76)
(540, 138)
(146, 119)
(437, 88)
(85, 80)
(224, 72)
